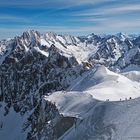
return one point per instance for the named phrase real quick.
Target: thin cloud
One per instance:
(50, 3)
(10, 17)
(122, 24)
(111, 10)
(21, 2)
(114, 25)
(69, 17)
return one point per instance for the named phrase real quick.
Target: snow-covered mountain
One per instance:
(66, 87)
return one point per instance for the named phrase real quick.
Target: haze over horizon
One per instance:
(75, 17)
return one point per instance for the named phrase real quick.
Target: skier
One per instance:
(75, 122)
(1, 125)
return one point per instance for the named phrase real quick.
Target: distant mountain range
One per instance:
(65, 87)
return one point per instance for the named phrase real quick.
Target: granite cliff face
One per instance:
(28, 71)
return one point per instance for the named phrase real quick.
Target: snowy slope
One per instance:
(100, 119)
(72, 104)
(133, 75)
(69, 45)
(107, 120)
(104, 84)
(11, 125)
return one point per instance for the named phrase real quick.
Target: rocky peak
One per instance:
(59, 59)
(30, 38)
(91, 39)
(71, 40)
(50, 36)
(30, 34)
(137, 41)
(122, 36)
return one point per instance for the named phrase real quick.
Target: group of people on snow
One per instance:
(121, 99)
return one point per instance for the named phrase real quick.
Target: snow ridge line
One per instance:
(79, 81)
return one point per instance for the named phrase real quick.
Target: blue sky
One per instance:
(76, 17)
